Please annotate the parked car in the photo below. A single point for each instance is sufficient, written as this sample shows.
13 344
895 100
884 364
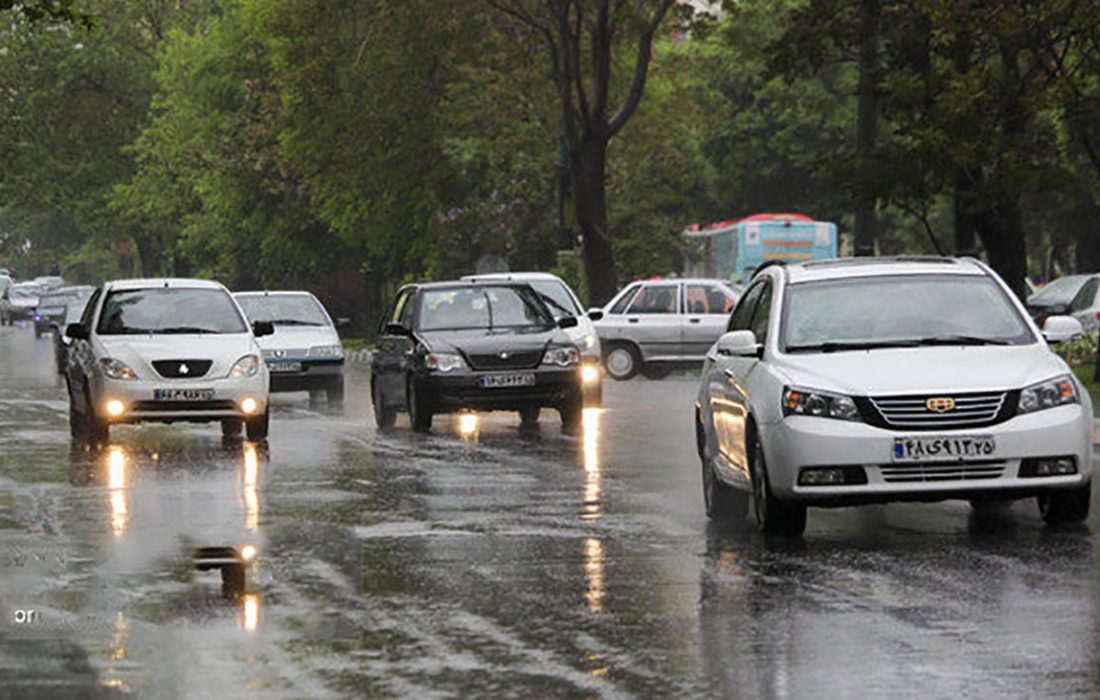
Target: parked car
487 346
74 310
166 350
50 313
563 301
849 382
50 282
23 298
6 283
304 353
654 325
1055 297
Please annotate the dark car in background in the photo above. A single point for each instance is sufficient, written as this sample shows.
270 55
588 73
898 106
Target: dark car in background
52 306
23 301
1054 298
61 342
485 346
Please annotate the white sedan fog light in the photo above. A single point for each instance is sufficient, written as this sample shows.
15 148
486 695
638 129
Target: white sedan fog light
847 475
249 406
590 374
248 553
115 408
1048 466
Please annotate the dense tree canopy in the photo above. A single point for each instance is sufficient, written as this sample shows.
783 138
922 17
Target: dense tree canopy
350 145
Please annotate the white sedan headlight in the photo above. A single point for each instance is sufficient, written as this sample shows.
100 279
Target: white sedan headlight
117 369
562 357
247 366
326 351
443 361
1053 392
811 402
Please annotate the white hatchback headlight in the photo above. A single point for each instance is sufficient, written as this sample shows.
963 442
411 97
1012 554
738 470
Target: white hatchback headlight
443 361
1053 392
247 366
326 351
811 402
562 357
117 369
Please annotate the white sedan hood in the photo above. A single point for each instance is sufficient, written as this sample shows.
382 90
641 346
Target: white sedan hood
140 351
924 370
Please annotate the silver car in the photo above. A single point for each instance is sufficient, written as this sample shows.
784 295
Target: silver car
652 326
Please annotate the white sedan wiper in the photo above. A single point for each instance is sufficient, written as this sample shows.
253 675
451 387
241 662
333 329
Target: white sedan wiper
954 339
839 346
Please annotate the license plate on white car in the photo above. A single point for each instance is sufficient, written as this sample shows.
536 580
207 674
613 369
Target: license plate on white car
183 394
497 381
285 366
939 448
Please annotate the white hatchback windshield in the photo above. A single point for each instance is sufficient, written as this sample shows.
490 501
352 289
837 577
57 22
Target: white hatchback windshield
169 310
284 309
900 312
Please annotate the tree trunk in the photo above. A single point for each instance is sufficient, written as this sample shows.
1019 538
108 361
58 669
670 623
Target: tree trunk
588 163
964 223
867 120
1001 229
148 252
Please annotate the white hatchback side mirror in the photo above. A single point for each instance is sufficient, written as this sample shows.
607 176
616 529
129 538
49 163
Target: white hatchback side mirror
1059 329
739 344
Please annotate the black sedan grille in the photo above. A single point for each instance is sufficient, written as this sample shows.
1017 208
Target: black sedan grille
526 359
967 410
182 369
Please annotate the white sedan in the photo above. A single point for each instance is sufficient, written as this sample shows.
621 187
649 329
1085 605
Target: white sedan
165 350
863 381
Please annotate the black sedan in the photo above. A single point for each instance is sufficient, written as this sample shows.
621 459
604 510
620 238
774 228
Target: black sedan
486 346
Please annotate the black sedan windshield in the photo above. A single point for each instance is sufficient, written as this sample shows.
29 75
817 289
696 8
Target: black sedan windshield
167 310
483 308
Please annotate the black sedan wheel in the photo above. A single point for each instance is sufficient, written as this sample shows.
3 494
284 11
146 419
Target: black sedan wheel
384 416
420 413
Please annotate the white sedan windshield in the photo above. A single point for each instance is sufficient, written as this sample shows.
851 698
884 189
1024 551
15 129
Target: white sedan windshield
914 310
169 310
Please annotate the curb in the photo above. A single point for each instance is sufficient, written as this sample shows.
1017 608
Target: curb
361 357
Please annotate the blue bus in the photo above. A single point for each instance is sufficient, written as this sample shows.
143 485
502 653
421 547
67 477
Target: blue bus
732 250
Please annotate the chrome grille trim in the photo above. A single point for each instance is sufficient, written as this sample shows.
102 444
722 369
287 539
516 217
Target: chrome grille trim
941 471
909 411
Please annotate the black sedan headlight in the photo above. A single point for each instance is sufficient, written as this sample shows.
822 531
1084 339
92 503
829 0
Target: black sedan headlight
811 402
562 357
1049 394
443 361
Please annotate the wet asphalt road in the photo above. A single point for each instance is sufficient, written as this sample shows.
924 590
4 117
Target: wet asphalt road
486 561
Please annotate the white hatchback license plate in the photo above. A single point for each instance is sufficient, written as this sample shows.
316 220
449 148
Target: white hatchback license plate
183 394
933 448
285 366
496 381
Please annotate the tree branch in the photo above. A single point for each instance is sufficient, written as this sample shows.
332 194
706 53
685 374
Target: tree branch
641 69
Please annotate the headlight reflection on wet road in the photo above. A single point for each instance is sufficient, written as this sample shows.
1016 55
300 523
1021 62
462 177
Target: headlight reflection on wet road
249 617
250 477
468 426
116 484
593 572
593 547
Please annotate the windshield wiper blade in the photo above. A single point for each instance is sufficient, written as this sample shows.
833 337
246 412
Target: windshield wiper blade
840 346
961 340
181 330
293 322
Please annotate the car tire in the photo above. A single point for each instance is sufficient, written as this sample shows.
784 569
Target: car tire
384 416
231 427
723 502
773 517
335 394
420 412
622 361
77 425
572 413
96 430
529 415
1066 506
257 427
655 370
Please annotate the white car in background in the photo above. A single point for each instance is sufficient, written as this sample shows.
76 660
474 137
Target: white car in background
653 326
562 301
872 380
165 350
305 352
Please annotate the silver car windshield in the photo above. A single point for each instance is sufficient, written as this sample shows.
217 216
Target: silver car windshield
169 310
284 309
1060 291
900 312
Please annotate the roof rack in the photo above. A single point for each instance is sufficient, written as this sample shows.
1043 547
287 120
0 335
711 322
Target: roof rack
933 259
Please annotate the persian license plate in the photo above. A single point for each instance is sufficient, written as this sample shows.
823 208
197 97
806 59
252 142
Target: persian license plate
933 448
496 381
183 394
285 366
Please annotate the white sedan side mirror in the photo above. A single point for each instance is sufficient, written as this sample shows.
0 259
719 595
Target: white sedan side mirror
739 344
1059 329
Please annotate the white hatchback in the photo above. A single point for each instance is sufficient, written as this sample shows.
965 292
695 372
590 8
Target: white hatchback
871 380
165 350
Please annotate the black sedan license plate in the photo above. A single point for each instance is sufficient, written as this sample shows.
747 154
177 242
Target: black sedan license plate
285 367
497 381
933 448
183 394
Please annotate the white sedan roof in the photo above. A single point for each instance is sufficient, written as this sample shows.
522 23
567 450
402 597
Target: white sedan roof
845 268
173 282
